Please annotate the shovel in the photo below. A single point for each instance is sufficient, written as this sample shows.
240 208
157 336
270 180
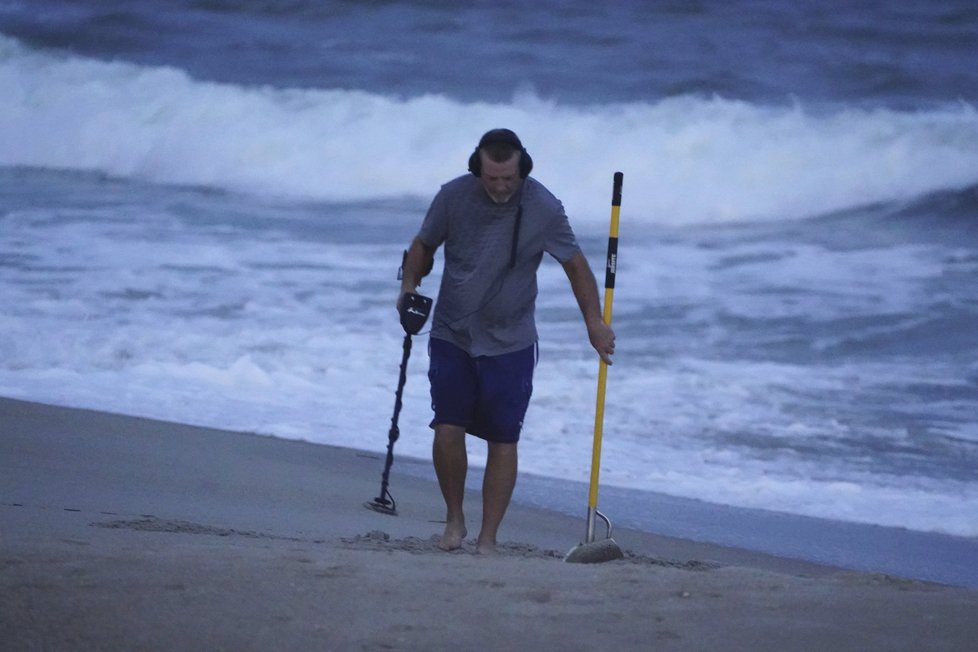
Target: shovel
591 551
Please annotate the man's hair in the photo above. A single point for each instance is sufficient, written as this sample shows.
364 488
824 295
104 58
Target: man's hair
499 152
499 146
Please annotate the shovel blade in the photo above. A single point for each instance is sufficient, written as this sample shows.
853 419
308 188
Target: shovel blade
595 552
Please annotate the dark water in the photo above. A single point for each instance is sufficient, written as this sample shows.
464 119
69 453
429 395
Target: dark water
904 54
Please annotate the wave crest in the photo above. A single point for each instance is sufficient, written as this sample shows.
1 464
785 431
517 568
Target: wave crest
686 159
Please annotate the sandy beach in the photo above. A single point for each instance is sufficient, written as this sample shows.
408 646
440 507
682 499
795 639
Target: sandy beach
121 533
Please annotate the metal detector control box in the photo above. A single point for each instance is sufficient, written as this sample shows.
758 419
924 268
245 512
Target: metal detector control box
414 312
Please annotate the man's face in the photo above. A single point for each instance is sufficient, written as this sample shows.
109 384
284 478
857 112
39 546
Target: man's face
500 179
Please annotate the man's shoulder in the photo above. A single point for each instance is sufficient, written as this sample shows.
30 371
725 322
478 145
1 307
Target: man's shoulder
460 185
536 192
447 205
456 195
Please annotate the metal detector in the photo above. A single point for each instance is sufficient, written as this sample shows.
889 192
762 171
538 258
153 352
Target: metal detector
414 311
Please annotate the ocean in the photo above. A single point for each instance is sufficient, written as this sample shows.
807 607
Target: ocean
203 207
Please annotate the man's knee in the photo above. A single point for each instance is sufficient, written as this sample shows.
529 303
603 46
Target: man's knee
502 450
446 433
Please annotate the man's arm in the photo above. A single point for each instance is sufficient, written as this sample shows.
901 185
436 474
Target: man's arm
417 264
586 292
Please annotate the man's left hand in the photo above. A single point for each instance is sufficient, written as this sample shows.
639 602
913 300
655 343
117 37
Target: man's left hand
602 338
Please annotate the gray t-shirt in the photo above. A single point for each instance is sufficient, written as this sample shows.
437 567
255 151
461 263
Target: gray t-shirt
485 306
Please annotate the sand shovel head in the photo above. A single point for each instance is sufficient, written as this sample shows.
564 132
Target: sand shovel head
595 552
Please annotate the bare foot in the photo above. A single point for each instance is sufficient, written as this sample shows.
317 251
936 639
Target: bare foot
485 547
452 537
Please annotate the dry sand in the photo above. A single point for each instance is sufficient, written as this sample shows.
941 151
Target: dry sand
119 533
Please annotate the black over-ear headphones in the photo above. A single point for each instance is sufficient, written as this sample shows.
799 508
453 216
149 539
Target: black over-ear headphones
503 136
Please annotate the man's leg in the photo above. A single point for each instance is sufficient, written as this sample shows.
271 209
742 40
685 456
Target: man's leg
451 466
497 489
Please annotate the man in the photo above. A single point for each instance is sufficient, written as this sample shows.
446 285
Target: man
495 223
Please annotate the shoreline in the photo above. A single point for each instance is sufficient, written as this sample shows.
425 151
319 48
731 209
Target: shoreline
724 531
122 531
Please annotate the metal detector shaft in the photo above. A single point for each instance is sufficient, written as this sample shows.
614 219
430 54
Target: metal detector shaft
384 498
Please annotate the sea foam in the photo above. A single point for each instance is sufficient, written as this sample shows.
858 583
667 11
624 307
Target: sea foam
686 159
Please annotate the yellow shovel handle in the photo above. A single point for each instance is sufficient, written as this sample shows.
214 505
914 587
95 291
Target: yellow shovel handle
609 293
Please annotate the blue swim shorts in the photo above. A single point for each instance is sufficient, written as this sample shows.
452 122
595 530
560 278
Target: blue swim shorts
486 395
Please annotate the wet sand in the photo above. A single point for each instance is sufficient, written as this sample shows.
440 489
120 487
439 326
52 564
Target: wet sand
126 533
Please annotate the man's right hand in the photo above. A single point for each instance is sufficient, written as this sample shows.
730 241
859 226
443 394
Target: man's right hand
400 298
417 264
